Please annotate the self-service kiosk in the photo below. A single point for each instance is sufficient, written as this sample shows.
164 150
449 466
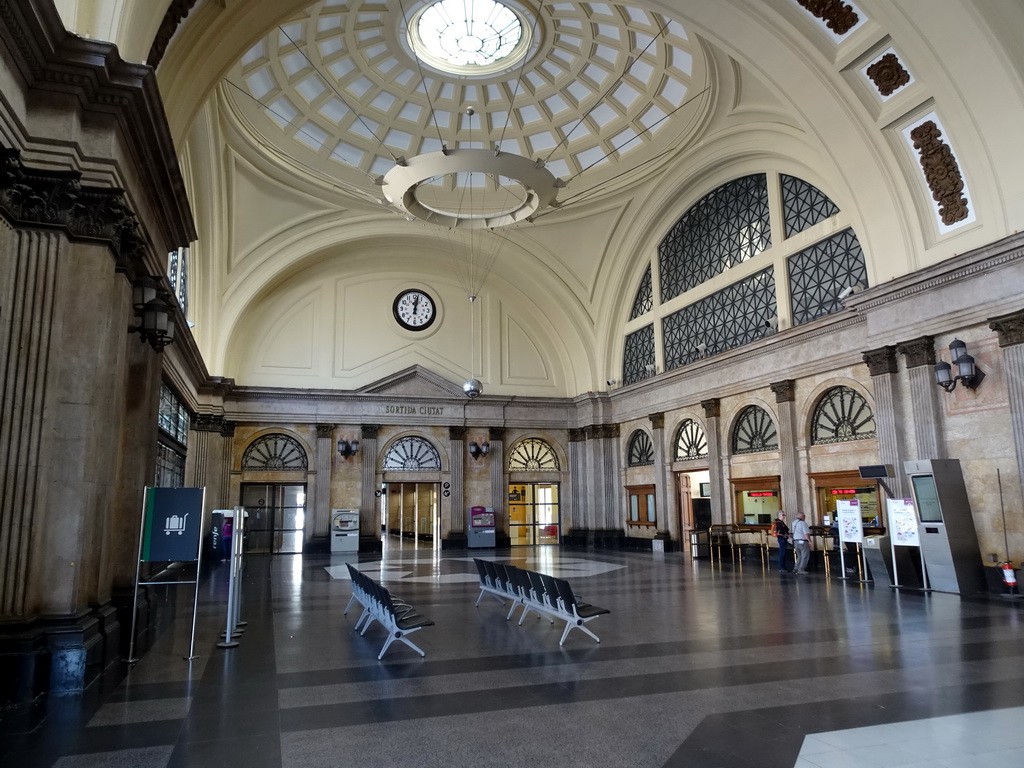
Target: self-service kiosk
949 542
481 527
344 530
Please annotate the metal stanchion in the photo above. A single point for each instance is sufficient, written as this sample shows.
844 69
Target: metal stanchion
233 626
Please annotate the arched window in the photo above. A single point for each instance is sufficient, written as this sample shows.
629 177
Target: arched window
644 296
691 442
641 452
755 432
275 452
842 414
532 455
412 454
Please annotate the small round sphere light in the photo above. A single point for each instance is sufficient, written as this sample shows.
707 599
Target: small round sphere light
473 388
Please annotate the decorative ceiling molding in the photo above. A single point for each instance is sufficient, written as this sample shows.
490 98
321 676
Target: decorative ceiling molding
941 171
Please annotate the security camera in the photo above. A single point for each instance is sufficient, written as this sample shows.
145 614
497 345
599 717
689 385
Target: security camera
610 382
473 388
849 291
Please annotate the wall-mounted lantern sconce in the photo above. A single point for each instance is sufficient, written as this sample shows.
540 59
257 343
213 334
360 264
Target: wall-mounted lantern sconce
967 373
477 450
156 320
346 448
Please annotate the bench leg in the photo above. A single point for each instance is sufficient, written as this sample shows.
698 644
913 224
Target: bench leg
350 601
362 617
571 625
399 635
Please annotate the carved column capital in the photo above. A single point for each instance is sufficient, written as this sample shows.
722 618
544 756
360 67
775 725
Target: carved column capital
918 352
881 361
785 391
369 431
324 431
207 422
657 420
712 408
496 433
1009 327
577 435
456 433
228 429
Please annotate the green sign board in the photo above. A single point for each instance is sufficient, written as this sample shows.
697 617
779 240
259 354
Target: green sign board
172 526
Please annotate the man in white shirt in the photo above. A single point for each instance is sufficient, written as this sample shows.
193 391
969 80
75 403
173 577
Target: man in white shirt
801 542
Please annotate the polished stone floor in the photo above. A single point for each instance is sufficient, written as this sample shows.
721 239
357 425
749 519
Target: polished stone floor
698 665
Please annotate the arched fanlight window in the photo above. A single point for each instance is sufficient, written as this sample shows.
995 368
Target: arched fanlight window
842 414
532 455
691 442
275 452
412 454
641 451
755 432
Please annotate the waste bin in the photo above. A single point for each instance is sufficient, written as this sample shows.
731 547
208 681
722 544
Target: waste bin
344 530
700 543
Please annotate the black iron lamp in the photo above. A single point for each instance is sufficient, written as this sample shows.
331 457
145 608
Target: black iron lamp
156 319
476 450
967 373
346 448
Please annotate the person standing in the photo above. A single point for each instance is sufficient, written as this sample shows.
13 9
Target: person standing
801 542
781 533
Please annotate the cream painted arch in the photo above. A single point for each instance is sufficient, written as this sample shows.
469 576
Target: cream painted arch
352 347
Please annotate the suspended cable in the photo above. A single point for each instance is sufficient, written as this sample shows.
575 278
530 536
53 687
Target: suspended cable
423 79
338 93
519 77
646 130
629 66
307 167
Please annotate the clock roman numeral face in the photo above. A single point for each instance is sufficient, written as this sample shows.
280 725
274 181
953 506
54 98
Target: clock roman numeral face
414 310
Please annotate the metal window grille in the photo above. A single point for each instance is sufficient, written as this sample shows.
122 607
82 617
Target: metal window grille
644 301
638 355
691 442
732 317
842 414
803 205
275 452
754 432
817 275
532 455
641 451
724 228
412 454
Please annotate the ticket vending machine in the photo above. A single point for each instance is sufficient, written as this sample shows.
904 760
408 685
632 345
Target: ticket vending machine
344 530
481 527
949 542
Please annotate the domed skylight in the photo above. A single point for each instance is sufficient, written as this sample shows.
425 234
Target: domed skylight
474 34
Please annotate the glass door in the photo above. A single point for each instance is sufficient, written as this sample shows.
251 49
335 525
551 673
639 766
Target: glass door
275 517
533 513
412 511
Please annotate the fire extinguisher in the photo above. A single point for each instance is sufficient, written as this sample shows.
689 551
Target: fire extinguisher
1009 577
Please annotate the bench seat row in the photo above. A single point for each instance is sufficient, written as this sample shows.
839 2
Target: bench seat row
538 593
399 618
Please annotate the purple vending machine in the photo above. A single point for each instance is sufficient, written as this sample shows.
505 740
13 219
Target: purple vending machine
481 527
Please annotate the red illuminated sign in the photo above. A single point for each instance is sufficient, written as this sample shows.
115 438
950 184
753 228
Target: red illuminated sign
843 491
760 493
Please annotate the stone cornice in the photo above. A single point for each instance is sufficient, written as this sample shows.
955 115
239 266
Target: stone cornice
995 255
51 59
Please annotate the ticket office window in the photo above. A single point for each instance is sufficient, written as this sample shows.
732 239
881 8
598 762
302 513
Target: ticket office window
757 506
870 510
642 509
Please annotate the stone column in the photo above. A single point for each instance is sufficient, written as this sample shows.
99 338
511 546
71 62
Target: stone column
227 451
720 494
785 395
608 528
919 357
457 536
203 460
884 369
580 513
324 462
664 508
369 514
1010 329
499 488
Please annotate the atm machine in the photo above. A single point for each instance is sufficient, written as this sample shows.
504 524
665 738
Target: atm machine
344 530
949 542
